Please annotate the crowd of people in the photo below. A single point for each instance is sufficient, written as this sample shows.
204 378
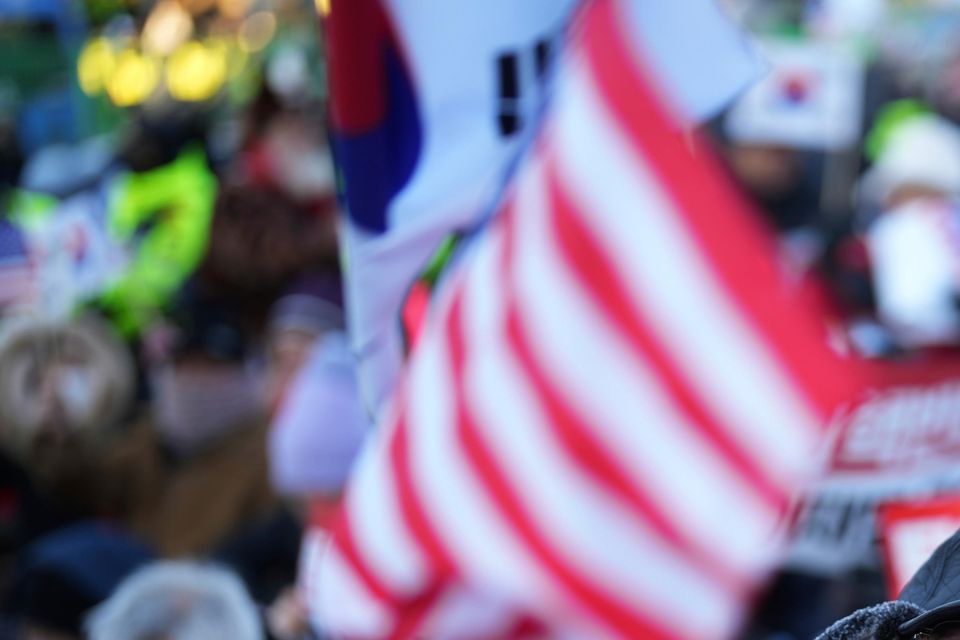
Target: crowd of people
165 393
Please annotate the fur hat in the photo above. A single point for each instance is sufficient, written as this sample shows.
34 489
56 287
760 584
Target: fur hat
61 379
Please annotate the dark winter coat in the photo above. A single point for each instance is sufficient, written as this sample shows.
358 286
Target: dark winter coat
930 598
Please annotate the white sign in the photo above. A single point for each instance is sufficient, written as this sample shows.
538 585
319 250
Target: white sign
76 257
901 443
812 98
911 532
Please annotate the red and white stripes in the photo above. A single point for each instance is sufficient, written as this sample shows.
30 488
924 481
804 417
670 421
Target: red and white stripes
611 408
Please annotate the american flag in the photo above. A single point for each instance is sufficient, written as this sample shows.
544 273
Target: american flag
17 277
611 407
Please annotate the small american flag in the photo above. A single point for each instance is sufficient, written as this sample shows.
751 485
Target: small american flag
17 278
610 408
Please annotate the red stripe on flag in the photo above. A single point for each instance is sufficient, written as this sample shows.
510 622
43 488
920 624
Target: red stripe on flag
527 627
413 512
417 612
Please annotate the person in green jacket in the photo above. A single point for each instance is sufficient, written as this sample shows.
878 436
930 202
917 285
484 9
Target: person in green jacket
165 215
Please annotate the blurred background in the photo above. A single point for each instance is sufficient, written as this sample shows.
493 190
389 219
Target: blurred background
168 256
175 377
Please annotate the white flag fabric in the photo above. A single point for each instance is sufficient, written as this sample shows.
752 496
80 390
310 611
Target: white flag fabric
812 98
610 407
431 102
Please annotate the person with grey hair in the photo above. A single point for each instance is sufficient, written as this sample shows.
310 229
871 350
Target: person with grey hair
177 600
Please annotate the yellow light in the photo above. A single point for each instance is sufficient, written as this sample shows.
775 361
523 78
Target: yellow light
257 31
95 65
234 8
167 27
134 78
323 7
196 72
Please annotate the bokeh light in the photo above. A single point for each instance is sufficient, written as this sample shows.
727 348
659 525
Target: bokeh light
168 26
196 71
257 31
96 65
134 79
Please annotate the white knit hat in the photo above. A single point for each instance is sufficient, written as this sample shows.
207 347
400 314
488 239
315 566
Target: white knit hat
924 151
